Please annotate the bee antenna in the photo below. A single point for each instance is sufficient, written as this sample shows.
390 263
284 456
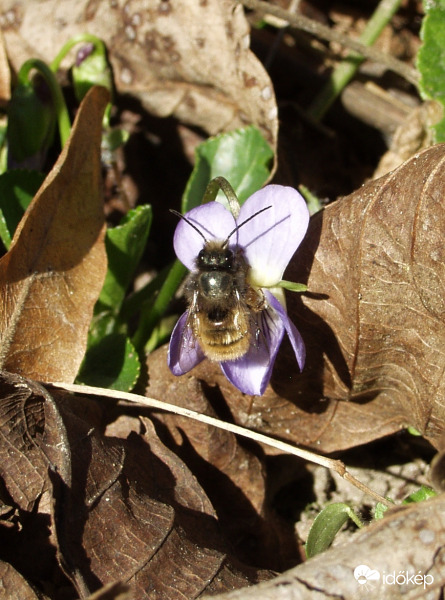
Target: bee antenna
244 222
178 214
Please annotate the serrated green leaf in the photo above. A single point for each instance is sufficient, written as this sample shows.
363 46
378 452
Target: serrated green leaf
326 526
17 189
125 245
104 324
431 58
242 157
423 493
112 363
142 299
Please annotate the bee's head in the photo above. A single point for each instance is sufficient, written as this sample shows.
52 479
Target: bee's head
215 256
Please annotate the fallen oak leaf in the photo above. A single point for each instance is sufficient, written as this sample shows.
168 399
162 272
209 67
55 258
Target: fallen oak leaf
112 591
5 74
52 275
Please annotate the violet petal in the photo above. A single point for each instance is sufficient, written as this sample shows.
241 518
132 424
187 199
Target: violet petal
294 335
271 238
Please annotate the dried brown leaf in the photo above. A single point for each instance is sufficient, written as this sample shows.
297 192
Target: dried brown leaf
112 591
53 273
186 58
33 441
13 585
372 321
5 74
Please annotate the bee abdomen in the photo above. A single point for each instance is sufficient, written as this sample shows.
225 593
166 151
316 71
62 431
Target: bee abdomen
226 348
224 342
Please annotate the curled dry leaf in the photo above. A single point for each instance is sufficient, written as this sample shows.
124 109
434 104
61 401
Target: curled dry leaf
372 321
187 58
33 441
5 74
87 509
53 273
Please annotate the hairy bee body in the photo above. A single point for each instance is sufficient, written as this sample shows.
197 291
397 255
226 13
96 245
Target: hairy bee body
222 304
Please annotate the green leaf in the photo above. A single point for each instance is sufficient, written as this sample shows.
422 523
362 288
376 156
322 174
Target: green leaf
3 145
313 202
413 431
431 58
242 157
161 333
291 286
103 324
114 139
112 363
17 189
326 526
143 297
125 245
423 493
31 121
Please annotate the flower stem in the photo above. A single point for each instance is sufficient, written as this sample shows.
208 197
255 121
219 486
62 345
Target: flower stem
346 70
323 32
151 318
63 118
78 39
221 183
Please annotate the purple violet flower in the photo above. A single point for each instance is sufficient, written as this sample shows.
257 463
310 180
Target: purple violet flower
266 243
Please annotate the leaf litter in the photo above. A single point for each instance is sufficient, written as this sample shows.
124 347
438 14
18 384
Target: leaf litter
95 493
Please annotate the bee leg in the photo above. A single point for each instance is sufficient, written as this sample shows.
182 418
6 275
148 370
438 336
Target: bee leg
256 300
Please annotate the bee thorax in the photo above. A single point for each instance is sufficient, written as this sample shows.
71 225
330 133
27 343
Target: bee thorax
216 284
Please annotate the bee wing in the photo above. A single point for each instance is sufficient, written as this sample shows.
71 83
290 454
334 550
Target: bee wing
263 331
184 351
